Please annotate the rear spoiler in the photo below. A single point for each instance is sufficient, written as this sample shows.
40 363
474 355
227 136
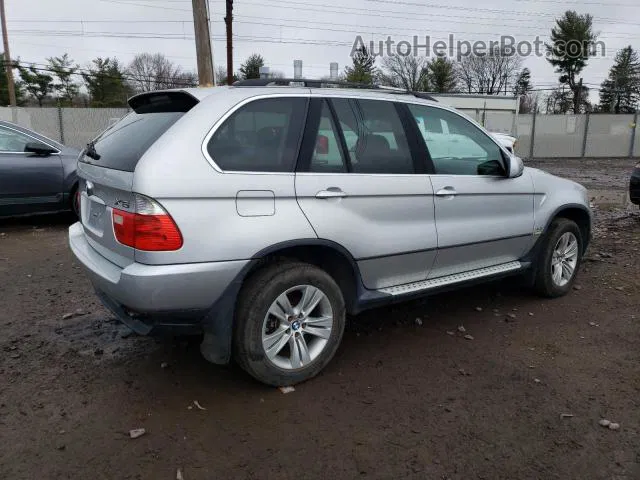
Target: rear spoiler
162 101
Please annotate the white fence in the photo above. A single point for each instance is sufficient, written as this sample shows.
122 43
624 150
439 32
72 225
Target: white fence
578 136
539 136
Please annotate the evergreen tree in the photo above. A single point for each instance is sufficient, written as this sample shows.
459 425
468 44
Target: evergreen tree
105 83
38 83
251 67
442 75
363 68
523 88
4 86
64 70
620 92
572 40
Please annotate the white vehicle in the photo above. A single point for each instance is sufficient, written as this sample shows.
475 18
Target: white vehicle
507 141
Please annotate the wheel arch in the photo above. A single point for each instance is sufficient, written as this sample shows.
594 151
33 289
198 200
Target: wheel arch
325 254
578 214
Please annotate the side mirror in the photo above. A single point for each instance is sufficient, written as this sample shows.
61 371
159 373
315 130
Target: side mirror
322 145
515 166
39 149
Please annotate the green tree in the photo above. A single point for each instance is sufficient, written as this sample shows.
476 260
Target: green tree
36 82
523 88
523 84
442 75
620 92
572 42
64 70
363 68
106 84
4 86
251 67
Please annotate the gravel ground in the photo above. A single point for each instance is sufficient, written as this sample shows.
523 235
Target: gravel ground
401 399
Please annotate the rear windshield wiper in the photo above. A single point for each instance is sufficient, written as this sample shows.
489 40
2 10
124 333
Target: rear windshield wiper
91 151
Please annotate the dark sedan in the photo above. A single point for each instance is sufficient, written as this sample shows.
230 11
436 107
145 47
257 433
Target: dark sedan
634 185
37 174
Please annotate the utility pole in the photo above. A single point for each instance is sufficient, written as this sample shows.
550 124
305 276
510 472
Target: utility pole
228 20
203 43
8 64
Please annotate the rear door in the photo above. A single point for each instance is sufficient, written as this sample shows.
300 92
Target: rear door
106 168
361 184
28 182
483 218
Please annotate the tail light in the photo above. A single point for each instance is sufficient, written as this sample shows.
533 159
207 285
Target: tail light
149 228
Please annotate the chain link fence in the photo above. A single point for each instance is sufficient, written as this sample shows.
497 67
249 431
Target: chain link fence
73 127
539 136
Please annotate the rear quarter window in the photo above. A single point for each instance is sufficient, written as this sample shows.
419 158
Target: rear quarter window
261 136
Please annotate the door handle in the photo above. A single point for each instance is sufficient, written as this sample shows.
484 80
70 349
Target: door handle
331 192
447 192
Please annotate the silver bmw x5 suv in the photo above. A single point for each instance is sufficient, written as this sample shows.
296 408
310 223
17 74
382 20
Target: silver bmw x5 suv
260 216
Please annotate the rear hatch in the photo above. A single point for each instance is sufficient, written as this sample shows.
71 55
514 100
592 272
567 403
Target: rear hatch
106 167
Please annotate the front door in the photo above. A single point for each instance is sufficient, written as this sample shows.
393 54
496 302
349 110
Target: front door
28 182
361 185
483 218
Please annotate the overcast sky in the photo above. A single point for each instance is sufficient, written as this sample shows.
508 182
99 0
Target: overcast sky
316 31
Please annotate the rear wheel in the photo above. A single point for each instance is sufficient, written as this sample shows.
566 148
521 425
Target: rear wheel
289 323
559 259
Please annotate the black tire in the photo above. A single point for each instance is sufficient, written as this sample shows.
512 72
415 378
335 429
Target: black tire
544 283
256 297
75 201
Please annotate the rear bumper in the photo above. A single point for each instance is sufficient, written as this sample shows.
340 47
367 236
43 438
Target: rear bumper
634 186
154 291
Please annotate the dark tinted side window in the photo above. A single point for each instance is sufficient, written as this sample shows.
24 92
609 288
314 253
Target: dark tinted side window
121 146
261 136
374 135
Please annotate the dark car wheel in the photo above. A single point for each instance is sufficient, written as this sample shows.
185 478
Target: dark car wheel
289 323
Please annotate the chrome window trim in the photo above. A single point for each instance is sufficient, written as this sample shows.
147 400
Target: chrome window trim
334 94
57 150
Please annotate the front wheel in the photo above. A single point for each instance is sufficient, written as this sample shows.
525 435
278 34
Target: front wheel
289 323
75 201
559 259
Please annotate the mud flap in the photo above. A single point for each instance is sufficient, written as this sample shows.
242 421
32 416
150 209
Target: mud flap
218 323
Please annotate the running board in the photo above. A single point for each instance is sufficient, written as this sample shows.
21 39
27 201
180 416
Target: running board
451 279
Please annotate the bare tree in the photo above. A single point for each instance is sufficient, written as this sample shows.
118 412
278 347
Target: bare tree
149 72
221 75
489 74
408 72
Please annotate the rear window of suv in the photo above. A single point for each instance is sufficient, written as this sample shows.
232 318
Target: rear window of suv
121 146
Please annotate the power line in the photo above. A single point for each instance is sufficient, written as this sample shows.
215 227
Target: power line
579 3
491 10
89 73
240 38
330 8
149 6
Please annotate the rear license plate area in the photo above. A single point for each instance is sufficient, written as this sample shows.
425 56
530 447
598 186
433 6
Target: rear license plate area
95 215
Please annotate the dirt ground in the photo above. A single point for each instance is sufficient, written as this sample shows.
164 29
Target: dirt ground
399 400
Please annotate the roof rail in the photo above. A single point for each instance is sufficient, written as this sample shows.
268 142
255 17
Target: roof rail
315 83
